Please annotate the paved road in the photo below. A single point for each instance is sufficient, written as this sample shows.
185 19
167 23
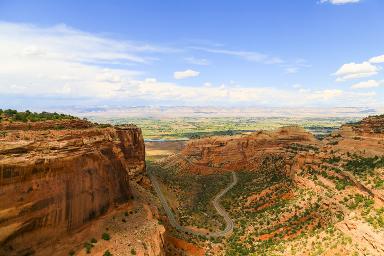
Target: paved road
220 210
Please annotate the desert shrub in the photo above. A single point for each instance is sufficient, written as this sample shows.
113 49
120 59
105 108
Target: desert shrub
379 183
104 125
341 184
107 253
88 247
361 166
106 236
333 160
13 115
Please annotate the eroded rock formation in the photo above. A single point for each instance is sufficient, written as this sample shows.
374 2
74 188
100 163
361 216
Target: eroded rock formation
343 173
56 176
246 152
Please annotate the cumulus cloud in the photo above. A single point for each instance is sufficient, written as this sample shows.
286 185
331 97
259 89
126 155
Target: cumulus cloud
59 59
61 62
227 94
377 59
327 94
339 2
185 74
366 84
356 70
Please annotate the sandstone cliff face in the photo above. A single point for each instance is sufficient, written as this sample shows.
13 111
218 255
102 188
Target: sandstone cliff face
364 138
247 152
57 176
292 147
317 166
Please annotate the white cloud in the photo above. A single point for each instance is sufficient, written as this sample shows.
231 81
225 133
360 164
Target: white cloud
66 89
366 84
17 88
60 59
325 94
297 86
322 95
185 74
291 70
55 42
292 67
245 55
356 70
339 2
377 59
63 62
225 94
196 61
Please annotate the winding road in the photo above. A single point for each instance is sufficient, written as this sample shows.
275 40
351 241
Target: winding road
220 210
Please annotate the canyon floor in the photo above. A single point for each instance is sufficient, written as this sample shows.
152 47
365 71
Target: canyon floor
72 187
295 195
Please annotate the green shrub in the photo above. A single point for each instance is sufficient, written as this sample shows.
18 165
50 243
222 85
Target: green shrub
341 184
379 183
106 236
107 253
13 115
88 247
363 166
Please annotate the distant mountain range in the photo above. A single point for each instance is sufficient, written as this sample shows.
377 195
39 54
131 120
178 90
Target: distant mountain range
185 111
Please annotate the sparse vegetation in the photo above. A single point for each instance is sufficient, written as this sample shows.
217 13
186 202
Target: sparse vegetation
106 236
11 115
364 166
88 247
194 194
193 128
107 253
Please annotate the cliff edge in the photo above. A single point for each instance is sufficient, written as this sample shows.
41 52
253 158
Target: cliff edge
56 176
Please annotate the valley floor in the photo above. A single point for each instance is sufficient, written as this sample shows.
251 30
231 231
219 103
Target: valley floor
332 204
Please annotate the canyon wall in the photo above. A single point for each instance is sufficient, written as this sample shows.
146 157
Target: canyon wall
337 181
244 152
56 176
289 148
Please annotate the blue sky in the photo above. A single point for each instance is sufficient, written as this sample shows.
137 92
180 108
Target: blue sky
220 53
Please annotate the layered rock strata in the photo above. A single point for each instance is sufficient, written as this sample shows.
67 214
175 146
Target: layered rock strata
57 176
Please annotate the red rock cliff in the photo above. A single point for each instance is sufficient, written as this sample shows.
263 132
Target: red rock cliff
246 152
57 176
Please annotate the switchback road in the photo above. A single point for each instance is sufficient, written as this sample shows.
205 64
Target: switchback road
216 203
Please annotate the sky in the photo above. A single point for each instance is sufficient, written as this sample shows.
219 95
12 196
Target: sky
277 53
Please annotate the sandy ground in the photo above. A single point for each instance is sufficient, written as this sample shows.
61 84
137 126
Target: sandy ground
133 228
158 150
